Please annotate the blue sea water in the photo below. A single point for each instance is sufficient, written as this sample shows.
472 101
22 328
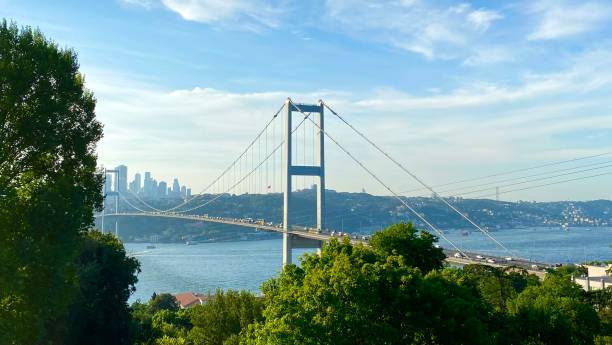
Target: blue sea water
247 264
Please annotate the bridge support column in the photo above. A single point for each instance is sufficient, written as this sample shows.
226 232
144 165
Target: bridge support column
289 170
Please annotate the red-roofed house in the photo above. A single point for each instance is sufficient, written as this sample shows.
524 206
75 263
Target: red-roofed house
189 299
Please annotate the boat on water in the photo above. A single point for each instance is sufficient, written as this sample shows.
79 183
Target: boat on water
191 243
150 246
465 233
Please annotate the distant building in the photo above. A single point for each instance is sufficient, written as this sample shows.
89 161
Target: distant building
121 184
137 183
190 299
161 189
598 277
108 183
147 187
183 191
176 188
188 192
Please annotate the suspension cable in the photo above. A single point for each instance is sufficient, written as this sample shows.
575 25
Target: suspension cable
416 178
250 172
373 175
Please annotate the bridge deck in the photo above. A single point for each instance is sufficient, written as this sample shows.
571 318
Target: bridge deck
326 236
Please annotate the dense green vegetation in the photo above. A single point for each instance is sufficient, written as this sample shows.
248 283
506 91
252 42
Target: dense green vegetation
386 294
61 283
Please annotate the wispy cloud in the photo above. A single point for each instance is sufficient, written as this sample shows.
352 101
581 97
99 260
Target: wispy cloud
559 19
416 26
482 19
152 128
244 14
140 3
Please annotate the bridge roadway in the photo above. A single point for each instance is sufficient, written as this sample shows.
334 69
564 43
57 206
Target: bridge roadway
452 256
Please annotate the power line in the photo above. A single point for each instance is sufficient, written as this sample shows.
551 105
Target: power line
548 184
497 182
511 171
538 179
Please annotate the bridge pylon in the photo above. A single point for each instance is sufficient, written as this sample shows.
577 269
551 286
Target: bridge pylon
289 170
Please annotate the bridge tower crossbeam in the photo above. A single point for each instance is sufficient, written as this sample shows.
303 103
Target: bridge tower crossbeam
289 170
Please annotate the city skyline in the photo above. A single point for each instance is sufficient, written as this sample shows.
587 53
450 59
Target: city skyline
454 89
148 187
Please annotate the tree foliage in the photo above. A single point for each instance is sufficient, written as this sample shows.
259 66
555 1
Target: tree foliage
99 314
555 312
49 185
352 295
164 301
402 239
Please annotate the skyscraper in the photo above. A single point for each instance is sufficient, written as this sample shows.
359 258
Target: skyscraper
108 183
183 191
161 189
137 183
147 187
121 184
176 188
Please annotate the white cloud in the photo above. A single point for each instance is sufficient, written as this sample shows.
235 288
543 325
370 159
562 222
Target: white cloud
482 19
416 26
446 135
486 55
141 3
560 19
246 14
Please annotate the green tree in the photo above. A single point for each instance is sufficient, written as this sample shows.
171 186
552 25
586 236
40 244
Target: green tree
497 285
100 313
402 239
352 295
223 317
555 312
164 301
49 185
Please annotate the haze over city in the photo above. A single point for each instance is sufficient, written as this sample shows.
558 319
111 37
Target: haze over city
454 89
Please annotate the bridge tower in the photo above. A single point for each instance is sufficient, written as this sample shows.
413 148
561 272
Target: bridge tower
290 170
115 193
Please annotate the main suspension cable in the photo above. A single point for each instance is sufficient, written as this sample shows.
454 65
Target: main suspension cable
416 178
373 175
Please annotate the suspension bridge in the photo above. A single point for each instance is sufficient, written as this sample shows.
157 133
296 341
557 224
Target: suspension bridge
291 149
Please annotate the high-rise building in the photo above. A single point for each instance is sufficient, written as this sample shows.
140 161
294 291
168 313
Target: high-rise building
108 183
183 191
147 185
121 184
188 192
161 189
137 183
176 188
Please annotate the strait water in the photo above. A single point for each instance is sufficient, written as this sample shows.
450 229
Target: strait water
246 265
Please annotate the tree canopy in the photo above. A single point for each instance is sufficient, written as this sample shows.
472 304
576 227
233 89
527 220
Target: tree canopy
49 185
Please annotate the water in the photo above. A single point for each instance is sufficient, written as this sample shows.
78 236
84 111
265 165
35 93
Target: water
246 265
205 267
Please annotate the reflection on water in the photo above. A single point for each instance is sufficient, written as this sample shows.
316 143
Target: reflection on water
245 265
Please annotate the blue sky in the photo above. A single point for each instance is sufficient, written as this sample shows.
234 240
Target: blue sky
454 89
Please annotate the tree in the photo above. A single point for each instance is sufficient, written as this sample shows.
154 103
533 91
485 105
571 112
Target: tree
223 317
402 239
555 312
49 185
100 313
496 285
352 295
164 301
